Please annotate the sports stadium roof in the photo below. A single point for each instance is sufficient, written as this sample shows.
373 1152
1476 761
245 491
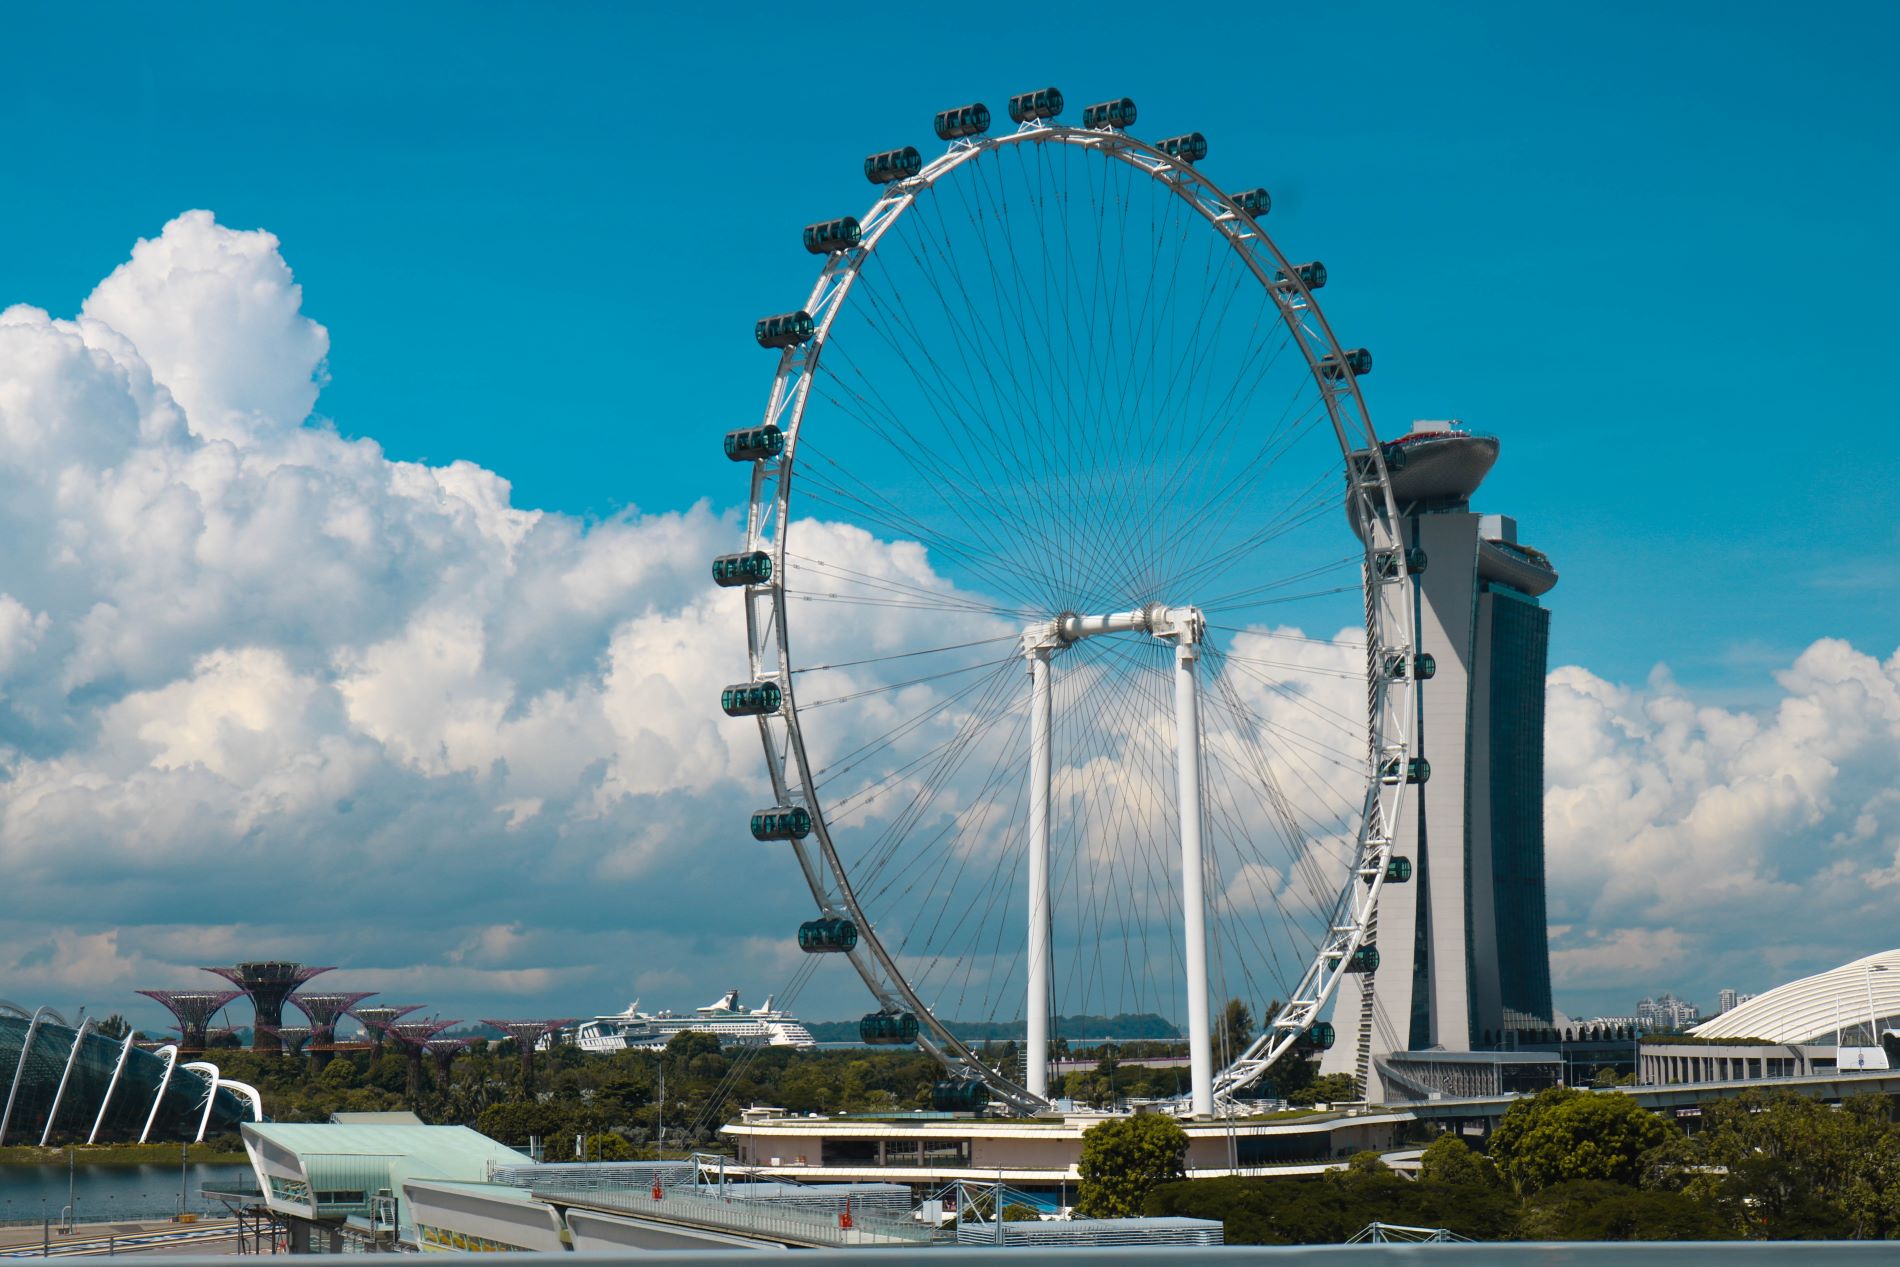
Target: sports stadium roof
1814 1009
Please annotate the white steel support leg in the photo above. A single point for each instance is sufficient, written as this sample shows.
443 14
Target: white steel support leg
1187 732
1036 1045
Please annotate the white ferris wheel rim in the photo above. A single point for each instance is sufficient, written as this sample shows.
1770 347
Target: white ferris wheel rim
1392 703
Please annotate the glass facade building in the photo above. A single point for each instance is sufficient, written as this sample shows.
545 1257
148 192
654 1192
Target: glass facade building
1519 629
74 1085
1463 947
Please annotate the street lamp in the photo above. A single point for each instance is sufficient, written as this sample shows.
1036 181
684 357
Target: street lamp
1873 1021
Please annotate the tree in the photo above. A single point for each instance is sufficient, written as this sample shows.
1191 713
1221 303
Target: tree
1449 1159
608 1146
1126 1158
114 1026
1563 1134
1784 1166
1591 1210
1325 1089
1235 1029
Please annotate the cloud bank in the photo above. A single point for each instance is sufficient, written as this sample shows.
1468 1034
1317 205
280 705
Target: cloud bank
264 690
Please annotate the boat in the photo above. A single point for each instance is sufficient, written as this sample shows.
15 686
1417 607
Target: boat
726 1019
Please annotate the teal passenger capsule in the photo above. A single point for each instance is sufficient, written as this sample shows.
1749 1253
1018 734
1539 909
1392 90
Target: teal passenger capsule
1320 1037
956 1096
1026 107
827 936
1312 275
1364 960
1416 770
754 567
1189 147
787 330
1356 361
828 237
893 165
888 1029
750 444
1387 562
961 121
1398 871
781 822
1255 202
1110 114
751 699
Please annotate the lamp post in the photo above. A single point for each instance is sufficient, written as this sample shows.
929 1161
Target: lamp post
1873 1021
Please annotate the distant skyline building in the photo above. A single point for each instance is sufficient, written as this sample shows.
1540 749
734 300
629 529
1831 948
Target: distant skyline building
1728 1000
1667 1012
1464 951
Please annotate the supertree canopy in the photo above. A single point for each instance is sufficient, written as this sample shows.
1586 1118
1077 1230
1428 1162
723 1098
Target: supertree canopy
293 1038
194 1010
378 1019
526 1034
413 1037
324 1011
269 983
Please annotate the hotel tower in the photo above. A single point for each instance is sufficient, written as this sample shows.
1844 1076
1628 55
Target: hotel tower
1463 949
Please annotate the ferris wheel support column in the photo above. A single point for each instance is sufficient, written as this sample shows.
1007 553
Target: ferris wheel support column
1036 1040
1187 732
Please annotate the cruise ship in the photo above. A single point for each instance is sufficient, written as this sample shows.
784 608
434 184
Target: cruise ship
731 1023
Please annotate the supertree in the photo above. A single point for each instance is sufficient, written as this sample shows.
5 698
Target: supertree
293 1040
324 1011
444 1051
269 983
377 1021
194 1010
413 1037
526 1034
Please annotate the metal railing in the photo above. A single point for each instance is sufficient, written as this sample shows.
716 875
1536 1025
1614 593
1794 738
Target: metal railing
706 1208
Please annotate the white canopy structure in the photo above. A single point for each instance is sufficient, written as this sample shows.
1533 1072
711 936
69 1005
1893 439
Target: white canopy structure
1838 1007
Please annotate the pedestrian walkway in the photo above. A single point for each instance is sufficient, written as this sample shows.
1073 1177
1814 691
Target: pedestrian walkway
106 1239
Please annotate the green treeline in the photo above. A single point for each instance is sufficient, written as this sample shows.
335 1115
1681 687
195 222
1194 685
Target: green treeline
611 1100
1570 1165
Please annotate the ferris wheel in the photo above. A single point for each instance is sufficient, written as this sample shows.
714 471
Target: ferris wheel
1079 694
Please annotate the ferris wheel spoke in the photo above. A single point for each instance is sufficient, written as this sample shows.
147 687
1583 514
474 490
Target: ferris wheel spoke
871 506
930 475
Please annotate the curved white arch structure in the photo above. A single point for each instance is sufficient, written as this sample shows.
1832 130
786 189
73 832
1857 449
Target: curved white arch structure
245 1092
1819 1008
65 1076
105 1102
212 1080
19 1066
169 1054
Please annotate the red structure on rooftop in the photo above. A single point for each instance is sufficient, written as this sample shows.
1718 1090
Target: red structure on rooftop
194 1010
269 983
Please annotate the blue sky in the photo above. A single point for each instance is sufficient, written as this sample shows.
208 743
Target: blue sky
1651 249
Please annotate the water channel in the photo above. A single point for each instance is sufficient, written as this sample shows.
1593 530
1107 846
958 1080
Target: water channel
110 1193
